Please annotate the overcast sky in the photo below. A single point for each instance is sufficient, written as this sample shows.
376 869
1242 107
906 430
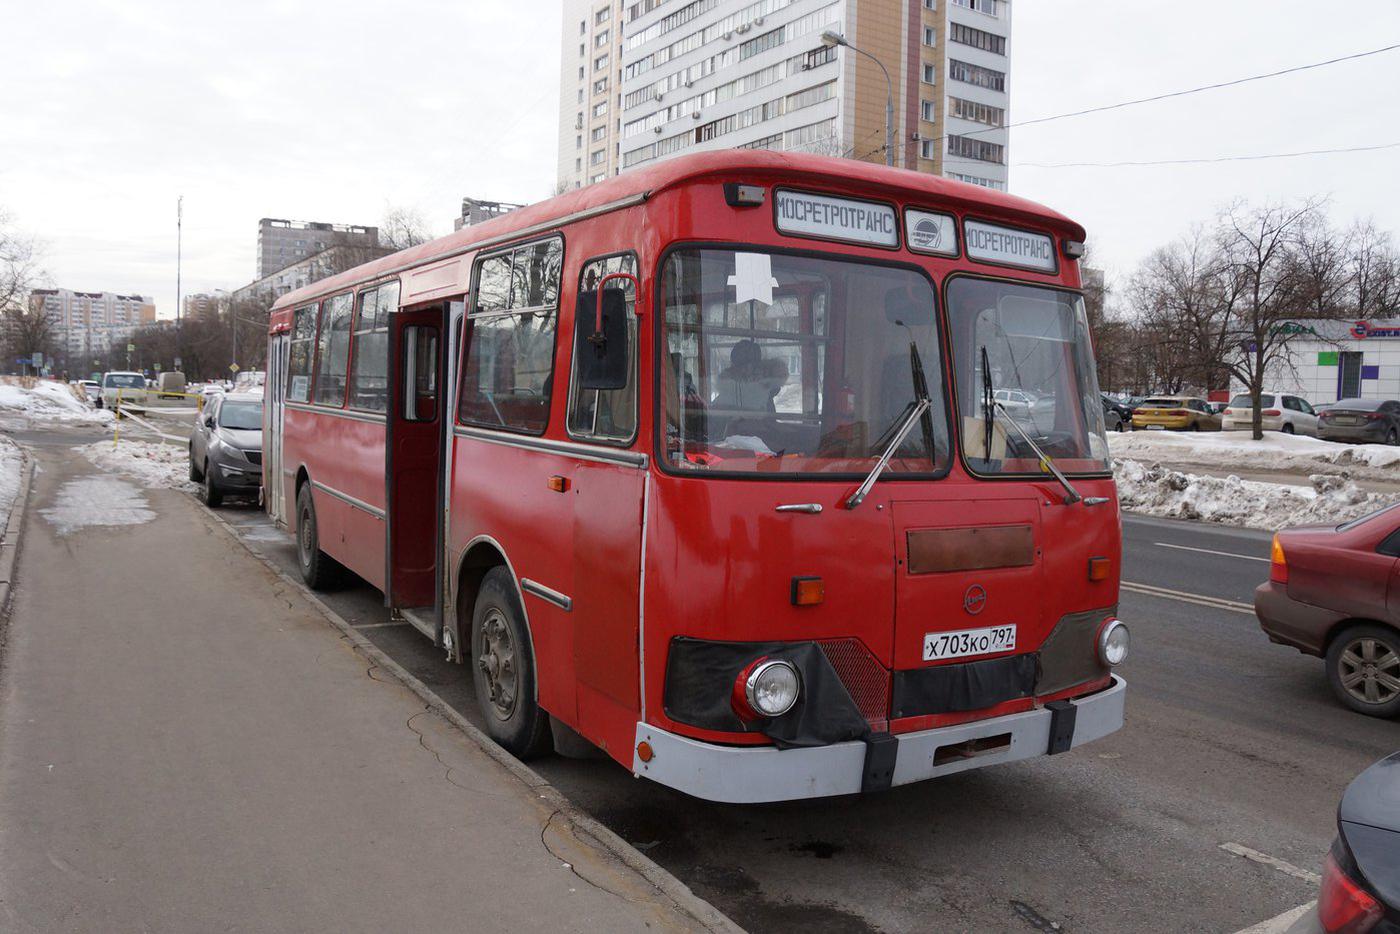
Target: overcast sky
333 112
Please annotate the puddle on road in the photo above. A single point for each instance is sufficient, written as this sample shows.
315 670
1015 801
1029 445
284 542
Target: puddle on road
97 501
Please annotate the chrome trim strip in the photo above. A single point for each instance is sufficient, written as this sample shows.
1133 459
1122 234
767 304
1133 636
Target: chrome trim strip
347 498
374 417
642 599
586 452
509 237
813 508
546 594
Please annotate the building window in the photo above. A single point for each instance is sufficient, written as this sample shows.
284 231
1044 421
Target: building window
977 75
981 150
580 95
977 38
598 133
976 112
930 74
578 142
581 48
600 85
926 148
509 366
606 414
600 39
597 178
930 37
597 157
582 27
930 4
926 110
600 108
600 63
580 73
978 180
602 16
981 6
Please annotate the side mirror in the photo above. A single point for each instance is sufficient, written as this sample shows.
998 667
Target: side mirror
208 421
601 342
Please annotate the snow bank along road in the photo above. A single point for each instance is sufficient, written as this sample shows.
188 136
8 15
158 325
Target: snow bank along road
1230 741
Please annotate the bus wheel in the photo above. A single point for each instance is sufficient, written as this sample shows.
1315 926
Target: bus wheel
503 669
318 569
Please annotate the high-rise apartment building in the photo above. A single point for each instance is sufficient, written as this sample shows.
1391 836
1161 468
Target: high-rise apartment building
282 243
590 73
694 75
88 324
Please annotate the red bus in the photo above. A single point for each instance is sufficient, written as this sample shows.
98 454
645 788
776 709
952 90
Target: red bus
773 476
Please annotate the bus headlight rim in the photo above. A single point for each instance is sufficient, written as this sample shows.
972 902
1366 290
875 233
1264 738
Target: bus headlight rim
772 688
1113 643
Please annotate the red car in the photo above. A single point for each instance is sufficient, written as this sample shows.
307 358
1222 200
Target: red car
1334 592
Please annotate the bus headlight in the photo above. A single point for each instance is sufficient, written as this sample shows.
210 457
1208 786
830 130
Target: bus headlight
1113 643
771 688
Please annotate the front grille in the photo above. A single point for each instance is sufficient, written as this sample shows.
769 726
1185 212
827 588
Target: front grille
254 457
866 680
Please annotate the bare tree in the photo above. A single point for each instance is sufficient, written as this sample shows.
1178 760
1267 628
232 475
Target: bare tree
402 228
26 328
1373 270
1322 257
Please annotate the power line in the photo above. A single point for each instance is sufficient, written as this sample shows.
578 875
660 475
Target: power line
1183 93
1201 161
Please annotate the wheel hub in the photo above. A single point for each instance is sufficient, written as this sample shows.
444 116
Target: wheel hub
1370 671
495 659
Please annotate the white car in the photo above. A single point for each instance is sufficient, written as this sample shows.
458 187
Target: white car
132 387
1289 414
92 389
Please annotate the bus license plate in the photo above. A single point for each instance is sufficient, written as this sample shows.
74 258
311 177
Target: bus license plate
940 645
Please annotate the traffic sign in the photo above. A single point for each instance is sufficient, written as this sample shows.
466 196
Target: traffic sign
233 367
131 348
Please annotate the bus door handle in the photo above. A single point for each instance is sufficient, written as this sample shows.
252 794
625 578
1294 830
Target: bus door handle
801 507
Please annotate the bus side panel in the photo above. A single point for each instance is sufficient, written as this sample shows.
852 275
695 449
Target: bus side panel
351 460
503 492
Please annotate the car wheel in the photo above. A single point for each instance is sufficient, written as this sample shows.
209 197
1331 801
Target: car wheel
211 494
195 474
1391 437
1195 426
318 569
1287 428
1363 666
503 669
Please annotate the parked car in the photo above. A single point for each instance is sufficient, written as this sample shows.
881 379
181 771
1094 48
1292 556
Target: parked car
93 390
170 384
1123 407
1112 418
132 387
226 447
1218 408
1179 413
1360 889
1327 595
1291 415
1360 420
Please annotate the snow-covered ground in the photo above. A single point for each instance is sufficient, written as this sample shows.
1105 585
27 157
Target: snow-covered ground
156 465
1237 450
1157 490
47 400
11 463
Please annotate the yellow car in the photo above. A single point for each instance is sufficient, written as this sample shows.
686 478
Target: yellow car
1176 413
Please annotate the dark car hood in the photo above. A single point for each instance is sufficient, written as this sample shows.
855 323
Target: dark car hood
1368 821
246 440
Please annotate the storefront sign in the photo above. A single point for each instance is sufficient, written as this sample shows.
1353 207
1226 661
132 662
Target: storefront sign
1008 247
829 218
927 232
1363 329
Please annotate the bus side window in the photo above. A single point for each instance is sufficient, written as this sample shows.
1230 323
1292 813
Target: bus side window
420 355
333 354
300 354
607 414
369 366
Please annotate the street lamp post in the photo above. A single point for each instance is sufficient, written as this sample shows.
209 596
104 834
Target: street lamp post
832 38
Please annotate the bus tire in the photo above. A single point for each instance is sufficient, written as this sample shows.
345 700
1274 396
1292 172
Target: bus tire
318 569
503 669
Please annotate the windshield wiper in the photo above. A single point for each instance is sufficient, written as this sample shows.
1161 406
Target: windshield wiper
917 410
990 406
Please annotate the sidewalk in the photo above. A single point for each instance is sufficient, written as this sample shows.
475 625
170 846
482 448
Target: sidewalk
187 745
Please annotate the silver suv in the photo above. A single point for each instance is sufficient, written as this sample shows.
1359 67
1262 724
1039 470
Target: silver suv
226 447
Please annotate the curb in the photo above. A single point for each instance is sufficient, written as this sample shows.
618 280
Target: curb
586 827
10 538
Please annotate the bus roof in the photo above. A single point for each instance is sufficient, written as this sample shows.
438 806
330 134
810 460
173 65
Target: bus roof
758 164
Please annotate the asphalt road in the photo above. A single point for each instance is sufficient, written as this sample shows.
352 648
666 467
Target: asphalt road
1229 740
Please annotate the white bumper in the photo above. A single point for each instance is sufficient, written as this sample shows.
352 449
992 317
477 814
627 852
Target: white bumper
753 774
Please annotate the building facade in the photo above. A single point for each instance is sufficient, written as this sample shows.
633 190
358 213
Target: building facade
282 243
305 271
474 211
1331 360
199 305
89 324
693 75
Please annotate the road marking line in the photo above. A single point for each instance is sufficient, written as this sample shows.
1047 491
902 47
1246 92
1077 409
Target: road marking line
1218 603
1279 924
1282 866
1212 551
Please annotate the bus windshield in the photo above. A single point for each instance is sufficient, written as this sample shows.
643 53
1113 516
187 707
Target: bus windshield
778 364
1025 348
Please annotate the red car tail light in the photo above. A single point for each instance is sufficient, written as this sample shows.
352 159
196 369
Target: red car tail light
1178 412
1272 413
1374 416
1229 411
1278 564
1343 907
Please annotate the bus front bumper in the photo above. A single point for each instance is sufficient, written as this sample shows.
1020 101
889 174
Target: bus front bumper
755 774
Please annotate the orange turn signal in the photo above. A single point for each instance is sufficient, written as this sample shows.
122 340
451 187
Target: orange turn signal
1098 569
807 591
559 484
644 751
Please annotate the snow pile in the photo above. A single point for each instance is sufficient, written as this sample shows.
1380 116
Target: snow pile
91 501
1160 491
11 465
154 464
1236 449
47 399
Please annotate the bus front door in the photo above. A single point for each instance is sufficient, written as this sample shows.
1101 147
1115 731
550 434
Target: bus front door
413 470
